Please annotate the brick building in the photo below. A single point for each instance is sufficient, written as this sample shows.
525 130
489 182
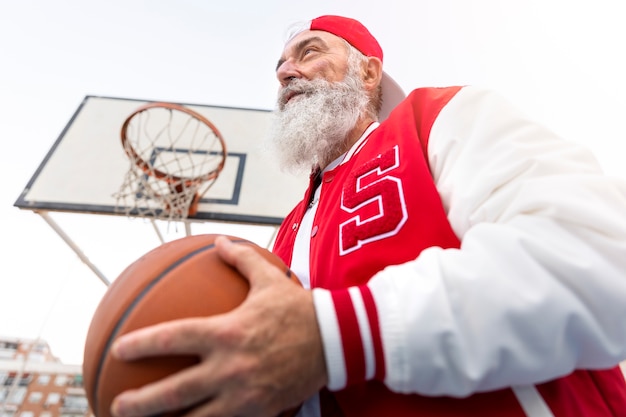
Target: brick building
33 383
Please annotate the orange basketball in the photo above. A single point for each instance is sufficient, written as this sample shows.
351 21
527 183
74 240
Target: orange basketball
179 279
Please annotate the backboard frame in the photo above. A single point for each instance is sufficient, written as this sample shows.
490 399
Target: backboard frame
38 194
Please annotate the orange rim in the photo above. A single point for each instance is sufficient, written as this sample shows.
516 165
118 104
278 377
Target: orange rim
168 178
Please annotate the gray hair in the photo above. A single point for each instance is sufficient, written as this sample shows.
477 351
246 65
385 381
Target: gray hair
356 60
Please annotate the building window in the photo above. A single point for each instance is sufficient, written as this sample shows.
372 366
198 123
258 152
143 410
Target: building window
9 379
27 414
53 398
8 345
12 396
36 357
26 378
7 349
44 379
7 354
45 414
35 397
41 347
61 380
75 404
77 381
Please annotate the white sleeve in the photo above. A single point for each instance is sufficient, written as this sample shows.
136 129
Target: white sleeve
538 287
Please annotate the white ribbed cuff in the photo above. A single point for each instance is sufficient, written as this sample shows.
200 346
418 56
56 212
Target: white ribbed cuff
331 339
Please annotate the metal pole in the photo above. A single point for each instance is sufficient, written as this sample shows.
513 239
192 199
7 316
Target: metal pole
271 241
156 229
74 247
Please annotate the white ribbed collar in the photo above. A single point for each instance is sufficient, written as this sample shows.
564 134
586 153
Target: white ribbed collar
359 143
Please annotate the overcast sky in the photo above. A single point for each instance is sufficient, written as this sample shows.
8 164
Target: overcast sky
561 61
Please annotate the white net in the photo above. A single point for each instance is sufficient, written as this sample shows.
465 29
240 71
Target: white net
175 156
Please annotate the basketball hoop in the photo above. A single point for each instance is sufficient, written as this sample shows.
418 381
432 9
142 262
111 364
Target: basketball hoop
175 154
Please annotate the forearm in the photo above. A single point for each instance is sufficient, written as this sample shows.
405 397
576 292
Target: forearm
476 324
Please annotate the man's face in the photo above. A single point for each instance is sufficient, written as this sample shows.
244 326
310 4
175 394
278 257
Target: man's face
321 98
310 55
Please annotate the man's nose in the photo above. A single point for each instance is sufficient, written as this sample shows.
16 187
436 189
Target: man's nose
287 72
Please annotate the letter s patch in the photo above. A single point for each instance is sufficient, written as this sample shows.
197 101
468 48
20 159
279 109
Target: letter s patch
376 199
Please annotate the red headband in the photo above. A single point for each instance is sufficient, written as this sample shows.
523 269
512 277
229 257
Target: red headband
350 30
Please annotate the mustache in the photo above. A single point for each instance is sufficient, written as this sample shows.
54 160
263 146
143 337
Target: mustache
298 87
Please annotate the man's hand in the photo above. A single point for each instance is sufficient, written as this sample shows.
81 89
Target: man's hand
257 360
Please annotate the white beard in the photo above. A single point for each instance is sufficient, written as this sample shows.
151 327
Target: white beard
312 129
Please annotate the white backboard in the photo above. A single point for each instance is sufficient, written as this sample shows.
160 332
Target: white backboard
87 164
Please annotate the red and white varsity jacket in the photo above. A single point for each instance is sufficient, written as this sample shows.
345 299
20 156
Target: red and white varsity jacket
465 261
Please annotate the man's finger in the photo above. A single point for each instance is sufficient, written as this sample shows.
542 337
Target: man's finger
168 338
178 391
243 257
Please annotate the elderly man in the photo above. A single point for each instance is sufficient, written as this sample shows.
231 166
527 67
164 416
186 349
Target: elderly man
462 260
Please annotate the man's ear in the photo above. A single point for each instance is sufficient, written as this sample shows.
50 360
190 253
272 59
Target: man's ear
373 73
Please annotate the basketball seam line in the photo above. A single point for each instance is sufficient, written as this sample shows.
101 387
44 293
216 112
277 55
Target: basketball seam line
131 307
